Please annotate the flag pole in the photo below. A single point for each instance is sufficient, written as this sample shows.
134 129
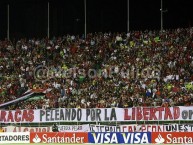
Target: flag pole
85 19
8 21
161 16
48 33
162 11
128 9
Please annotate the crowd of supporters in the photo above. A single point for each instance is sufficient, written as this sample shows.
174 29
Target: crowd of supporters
140 68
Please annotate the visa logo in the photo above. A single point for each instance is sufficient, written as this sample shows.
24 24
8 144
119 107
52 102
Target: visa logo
120 137
105 137
135 138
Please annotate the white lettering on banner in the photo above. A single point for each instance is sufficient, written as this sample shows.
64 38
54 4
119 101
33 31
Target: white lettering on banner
97 114
74 128
27 129
105 138
132 138
135 138
179 140
58 139
10 137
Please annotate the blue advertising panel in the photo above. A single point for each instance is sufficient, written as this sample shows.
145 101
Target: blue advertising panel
120 137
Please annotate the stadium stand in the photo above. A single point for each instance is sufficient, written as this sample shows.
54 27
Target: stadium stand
104 70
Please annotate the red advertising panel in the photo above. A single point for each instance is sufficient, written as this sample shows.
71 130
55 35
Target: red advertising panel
59 137
172 137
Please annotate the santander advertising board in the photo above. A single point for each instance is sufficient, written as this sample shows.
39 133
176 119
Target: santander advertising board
172 137
58 137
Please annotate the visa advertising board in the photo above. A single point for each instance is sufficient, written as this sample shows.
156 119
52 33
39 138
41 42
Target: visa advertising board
128 138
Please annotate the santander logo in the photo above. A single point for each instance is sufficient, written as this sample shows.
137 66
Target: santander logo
36 139
159 139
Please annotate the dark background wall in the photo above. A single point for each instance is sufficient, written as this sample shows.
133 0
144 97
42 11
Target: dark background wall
28 18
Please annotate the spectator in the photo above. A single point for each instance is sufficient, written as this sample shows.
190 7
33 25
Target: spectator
55 128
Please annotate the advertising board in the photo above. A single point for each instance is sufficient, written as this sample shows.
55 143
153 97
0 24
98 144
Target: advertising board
172 137
118 137
59 137
14 137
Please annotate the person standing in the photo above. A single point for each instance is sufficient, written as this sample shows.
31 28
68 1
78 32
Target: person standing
55 128
1 129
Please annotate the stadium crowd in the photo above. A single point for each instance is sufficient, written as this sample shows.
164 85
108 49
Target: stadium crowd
104 70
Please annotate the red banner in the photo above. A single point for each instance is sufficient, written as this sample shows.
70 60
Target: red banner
172 138
27 129
58 137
